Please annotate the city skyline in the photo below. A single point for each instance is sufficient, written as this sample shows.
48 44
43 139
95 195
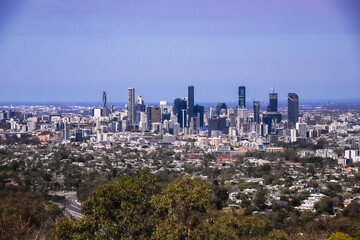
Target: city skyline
236 101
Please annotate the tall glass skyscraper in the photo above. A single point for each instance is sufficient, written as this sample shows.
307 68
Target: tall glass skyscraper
273 102
242 100
199 112
293 109
179 105
272 114
191 111
131 106
105 109
104 99
256 111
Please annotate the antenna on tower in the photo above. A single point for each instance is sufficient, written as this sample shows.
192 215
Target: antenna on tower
272 89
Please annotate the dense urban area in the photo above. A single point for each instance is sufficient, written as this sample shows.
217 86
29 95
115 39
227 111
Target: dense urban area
180 170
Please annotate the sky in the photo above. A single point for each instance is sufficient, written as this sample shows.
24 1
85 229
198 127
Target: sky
72 50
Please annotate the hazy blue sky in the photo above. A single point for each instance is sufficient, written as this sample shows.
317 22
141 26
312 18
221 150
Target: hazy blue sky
71 50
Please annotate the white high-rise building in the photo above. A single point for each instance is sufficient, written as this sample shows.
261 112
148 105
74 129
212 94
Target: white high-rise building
211 113
242 113
143 124
66 135
31 124
351 154
139 100
293 135
13 124
97 112
302 129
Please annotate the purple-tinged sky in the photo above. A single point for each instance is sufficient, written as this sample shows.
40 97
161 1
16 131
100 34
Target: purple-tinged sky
66 50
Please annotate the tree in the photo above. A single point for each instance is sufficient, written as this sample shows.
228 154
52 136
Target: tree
26 215
325 206
252 227
245 202
260 198
228 227
223 228
65 229
353 210
289 181
116 211
333 188
277 235
180 208
311 170
219 196
339 236
89 184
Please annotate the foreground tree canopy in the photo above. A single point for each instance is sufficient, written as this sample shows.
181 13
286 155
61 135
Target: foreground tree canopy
139 207
118 210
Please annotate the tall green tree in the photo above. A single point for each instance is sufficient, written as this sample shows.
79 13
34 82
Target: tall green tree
325 205
120 210
181 207
260 198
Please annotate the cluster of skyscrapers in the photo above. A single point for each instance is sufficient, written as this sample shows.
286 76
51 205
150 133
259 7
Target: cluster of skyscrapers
184 114
182 117
186 117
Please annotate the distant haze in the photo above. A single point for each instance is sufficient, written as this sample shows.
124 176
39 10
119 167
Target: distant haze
66 50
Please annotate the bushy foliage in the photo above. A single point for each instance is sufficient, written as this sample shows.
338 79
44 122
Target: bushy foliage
140 207
136 208
24 215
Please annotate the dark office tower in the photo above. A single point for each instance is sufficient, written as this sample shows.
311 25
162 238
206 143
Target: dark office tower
218 124
78 135
220 107
199 112
165 116
131 106
104 99
179 105
293 109
105 109
191 102
242 101
256 111
273 102
272 115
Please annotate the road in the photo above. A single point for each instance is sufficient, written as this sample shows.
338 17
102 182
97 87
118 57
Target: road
73 208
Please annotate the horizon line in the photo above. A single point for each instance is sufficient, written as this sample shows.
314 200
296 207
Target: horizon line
301 102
